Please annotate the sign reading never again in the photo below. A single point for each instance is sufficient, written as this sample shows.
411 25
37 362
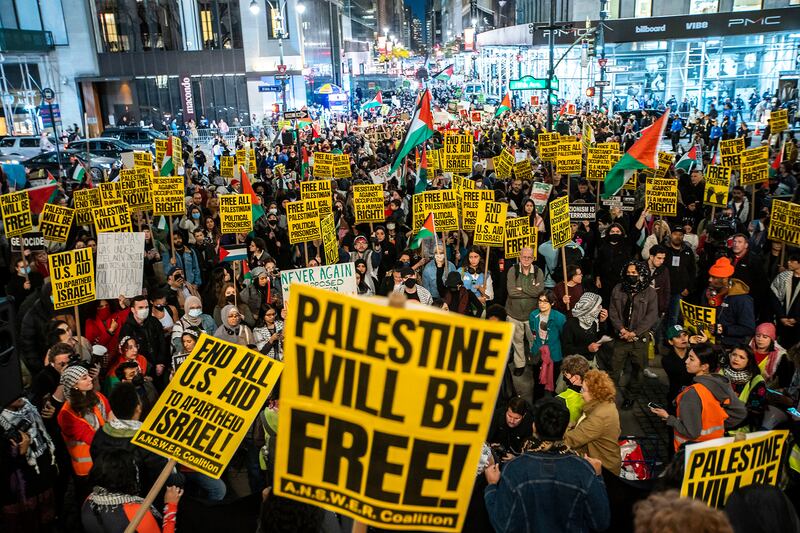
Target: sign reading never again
384 413
209 405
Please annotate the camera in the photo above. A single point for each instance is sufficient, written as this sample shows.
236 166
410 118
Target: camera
14 432
498 453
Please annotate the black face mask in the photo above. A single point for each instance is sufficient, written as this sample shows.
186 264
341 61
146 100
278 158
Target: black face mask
614 238
159 307
633 279
410 282
230 298
273 222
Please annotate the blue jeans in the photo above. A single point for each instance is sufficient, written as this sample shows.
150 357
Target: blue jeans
203 486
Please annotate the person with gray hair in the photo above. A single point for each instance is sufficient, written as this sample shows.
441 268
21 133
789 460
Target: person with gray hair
524 283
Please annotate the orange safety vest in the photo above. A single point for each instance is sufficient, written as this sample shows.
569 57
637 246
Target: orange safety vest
713 416
79 450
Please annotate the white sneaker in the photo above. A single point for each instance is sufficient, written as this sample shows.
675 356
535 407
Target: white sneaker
650 374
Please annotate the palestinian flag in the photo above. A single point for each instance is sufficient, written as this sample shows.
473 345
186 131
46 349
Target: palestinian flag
233 252
246 275
643 154
43 194
445 74
304 163
505 105
256 207
690 159
375 102
167 165
422 173
419 131
776 165
81 176
426 232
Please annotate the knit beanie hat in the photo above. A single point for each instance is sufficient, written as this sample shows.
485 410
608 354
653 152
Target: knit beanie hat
70 378
768 329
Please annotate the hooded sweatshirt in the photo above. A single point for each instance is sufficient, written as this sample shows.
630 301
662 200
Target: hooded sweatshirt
690 423
736 315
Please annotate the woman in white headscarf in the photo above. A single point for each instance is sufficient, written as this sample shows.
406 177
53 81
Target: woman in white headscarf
193 319
232 328
583 331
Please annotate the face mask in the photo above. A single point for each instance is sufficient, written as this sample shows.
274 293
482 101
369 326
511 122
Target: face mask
229 298
273 211
141 314
196 215
103 313
410 282
272 222
615 238
633 279
26 270
194 313
406 263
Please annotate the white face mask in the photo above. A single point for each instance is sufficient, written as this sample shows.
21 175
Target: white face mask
141 314
195 312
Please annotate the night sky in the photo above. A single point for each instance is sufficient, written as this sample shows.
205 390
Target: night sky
418 9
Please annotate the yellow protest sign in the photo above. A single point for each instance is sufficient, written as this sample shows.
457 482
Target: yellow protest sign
523 170
718 183
323 165
435 160
209 405
329 239
368 203
168 196
177 154
778 121
784 222
470 199
755 166
661 196
112 218
241 157
547 144
517 236
611 145
302 218
633 182
730 152
252 169
503 164
490 223
714 469
599 161
665 161
55 222
226 164
110 194
341 166
83 201
16 209
321 191
699 319
569 158
418 213
444 206
560 230
72 277
161 150
135 186
458 153
384 411
235 213
142 159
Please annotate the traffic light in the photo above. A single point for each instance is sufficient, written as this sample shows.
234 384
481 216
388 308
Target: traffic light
590 92
276 108
592 51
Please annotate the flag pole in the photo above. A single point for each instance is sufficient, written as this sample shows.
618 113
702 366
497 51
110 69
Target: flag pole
78 330
564 269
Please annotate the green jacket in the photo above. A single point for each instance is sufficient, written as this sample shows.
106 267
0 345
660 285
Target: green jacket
520 303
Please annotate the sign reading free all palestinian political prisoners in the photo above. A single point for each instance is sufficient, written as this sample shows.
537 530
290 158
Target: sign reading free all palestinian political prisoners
302 220
338 277
715 468
469 205
443 204
384 411
120 265
569 158
784 222
72 277
323 165
209 405
661 196
235 213
321 191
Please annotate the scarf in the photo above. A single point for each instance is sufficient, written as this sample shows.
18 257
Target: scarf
641 284
116 423
194 322
40 439
102 500
546 372
737 377
587 310
558 447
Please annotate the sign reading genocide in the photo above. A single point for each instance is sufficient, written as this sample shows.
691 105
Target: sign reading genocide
503 164
16 208
83 201
120 264
142 159
490 223
443 204
548 146
72 276
109 193
235 213
730 152
569 158
168 196
303 220
784 222
778 121
665 161
458 153
560 230
368 203
517 236
755 166
469 206
112 218
320 191
579 212
209 405
226 164
337 277
384 412
323 165
55 222
715 468
329 240
718 183
523 170
661 196
33 241
699 319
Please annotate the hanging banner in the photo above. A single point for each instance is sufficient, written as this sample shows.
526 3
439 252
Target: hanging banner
112 218
730 151
55 222
503 164
168 196
784 222
303 221
142 160
778 121
718 184
109 193
661 196
443 204
755 166
699 319
120 265
490 223
209 405
72 277
665 161
321 192
83 201
524 170
547 144
16 209
388 431
470 199
323 165
458 154
235 213
368 203
517 236
329 239
569 158
715 468
560 230
338 277
226 164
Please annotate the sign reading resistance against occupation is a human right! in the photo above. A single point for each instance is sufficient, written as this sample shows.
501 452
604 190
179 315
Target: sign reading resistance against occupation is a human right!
384 411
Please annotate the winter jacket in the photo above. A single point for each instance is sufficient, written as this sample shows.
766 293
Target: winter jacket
33 333
423 294
149 336
555 325
429 276
575 340
736 315
597 434
188 262
644 314
690 422
521 303
682 266
660 282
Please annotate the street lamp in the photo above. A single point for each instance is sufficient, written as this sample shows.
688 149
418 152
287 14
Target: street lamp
254 7
300 8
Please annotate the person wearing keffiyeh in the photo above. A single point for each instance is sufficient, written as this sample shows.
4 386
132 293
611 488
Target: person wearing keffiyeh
583 330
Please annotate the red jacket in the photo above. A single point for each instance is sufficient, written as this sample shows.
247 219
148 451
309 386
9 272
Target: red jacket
97 331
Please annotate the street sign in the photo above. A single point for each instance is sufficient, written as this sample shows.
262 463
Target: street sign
527 83
282 69
48 113
48 95
617 69
282 76
295 115
269 88
602 83
602 62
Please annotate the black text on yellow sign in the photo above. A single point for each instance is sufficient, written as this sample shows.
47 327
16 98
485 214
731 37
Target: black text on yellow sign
784 222
321 191
383 413
251 162
302 219
368 203
560 229
569 158
323 165
661 196
235 213
665 161
517 236
490 223
547 145
84 200
142 159
329 239
341 166
72 277
778 121
136 186
714 472
730 151
470 199
168 196
503 164
55 222
112 218
458 153
161 150
523 170
443 204
718 183
698 319
755 166
226 164
16 208
209 405
109 193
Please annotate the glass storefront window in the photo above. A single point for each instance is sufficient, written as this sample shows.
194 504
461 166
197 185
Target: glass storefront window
220 25
746 5
643 8
697 7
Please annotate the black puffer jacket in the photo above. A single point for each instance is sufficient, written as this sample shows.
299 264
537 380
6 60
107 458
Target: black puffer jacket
33 332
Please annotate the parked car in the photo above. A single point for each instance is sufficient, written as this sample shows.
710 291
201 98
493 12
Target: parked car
138 137
48 161
102 146
22 145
